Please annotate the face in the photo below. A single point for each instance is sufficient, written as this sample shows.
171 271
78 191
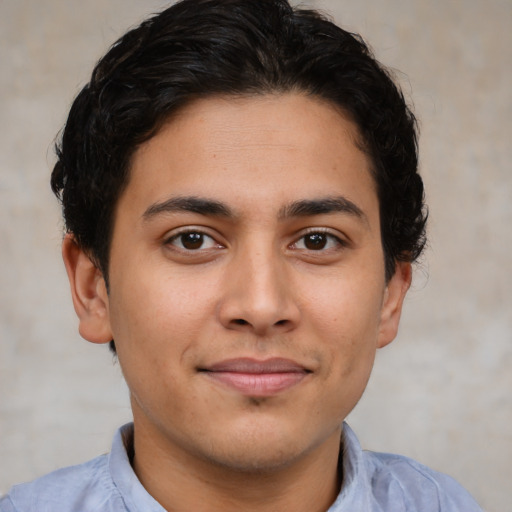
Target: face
247 290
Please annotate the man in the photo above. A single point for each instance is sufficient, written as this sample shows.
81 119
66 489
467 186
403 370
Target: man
242 204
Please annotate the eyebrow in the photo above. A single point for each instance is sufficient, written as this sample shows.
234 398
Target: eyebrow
322 206
191 204
211 207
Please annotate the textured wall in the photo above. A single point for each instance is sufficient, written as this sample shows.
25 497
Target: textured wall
441 393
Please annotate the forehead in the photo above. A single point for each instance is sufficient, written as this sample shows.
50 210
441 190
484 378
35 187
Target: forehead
258 149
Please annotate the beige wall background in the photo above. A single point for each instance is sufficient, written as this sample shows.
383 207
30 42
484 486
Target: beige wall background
441 393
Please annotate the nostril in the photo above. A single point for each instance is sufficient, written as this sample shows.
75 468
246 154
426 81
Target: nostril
240 321
281 322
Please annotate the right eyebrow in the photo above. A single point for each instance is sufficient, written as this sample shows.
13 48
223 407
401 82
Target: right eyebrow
193 204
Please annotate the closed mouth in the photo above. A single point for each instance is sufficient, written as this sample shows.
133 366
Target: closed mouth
257 378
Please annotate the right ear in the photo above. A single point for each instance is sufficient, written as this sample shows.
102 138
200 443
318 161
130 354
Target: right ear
88 291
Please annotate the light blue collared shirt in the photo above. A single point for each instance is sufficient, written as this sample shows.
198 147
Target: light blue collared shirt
372 482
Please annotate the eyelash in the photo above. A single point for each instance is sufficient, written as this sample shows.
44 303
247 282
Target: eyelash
325 234
325 237
201 234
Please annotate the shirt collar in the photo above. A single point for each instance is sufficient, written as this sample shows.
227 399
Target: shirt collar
132 491
355 488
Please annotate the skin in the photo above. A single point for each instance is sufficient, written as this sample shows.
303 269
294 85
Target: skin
253 272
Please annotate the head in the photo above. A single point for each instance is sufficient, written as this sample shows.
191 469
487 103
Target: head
205 48
239 183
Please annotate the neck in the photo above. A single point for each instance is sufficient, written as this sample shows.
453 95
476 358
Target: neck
179 481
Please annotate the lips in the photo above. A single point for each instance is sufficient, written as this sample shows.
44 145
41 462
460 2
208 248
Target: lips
257 378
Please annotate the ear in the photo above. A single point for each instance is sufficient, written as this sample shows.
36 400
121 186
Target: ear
394 295
88 291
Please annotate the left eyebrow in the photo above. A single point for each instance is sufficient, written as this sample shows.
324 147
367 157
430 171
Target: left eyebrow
322 206
191 204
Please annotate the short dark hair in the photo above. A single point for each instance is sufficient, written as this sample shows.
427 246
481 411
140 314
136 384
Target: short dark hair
200 48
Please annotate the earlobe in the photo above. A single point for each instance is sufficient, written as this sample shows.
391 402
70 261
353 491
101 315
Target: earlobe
88 292
394 296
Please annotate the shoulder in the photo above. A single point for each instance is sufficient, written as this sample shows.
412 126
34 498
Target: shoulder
87 487
397 479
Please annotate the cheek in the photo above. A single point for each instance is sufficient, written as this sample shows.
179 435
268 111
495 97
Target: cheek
155 323
346 319
344 308
157 307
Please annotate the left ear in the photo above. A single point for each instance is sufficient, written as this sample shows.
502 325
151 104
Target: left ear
394 295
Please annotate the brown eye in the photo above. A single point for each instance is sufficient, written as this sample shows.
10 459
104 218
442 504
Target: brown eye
192 241
315 241
318 241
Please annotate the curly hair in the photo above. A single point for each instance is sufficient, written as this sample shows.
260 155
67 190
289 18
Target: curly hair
201 48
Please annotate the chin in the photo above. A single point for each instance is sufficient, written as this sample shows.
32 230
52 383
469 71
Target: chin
261 450
255 460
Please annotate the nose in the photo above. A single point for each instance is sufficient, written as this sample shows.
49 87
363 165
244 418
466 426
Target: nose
258 295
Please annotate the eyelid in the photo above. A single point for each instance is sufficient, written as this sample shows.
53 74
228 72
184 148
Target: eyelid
341 239
172 235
